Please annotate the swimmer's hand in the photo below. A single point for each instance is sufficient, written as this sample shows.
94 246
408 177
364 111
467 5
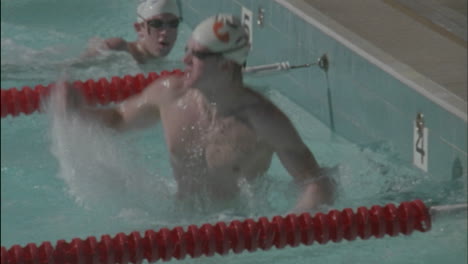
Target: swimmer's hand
71 100
316 192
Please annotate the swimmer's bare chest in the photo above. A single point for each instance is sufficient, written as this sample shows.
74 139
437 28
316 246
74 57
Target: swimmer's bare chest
217 148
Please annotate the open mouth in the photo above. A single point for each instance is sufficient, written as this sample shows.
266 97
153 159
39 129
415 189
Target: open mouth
164 44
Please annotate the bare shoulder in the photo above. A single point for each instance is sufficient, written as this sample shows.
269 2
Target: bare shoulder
261 108
116 43
269 121
166 89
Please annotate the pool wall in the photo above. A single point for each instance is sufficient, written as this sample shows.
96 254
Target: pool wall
366 96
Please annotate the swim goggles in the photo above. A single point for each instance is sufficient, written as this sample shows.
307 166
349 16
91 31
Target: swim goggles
159 23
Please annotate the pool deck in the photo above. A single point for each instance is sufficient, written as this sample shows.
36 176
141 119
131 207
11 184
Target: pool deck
429 36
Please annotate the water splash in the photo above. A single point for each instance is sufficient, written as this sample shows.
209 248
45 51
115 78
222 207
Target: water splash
97 167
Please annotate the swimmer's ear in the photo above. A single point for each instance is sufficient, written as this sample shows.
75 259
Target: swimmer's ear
138 29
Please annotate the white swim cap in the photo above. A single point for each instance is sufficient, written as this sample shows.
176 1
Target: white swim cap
150 8
224 33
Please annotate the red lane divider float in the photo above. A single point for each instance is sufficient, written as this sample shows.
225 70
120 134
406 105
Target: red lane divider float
27 100
237 236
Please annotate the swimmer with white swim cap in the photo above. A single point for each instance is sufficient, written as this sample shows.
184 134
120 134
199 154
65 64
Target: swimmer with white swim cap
156 28
218 131
224 34
220 36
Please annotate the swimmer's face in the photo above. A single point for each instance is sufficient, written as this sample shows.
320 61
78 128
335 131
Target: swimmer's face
201 65
158 34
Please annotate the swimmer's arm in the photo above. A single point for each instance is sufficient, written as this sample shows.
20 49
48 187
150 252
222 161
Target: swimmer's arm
295 156
116 44
274 127
316 187
95 47
139 111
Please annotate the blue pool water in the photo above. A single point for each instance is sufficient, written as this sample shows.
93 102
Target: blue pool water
62 179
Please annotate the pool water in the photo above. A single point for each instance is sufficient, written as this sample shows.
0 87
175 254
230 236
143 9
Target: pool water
63 178
38 48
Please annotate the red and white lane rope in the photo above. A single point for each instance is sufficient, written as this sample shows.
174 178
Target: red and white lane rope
235 236
28 100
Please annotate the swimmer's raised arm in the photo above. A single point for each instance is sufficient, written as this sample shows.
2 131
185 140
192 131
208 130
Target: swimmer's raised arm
138 111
